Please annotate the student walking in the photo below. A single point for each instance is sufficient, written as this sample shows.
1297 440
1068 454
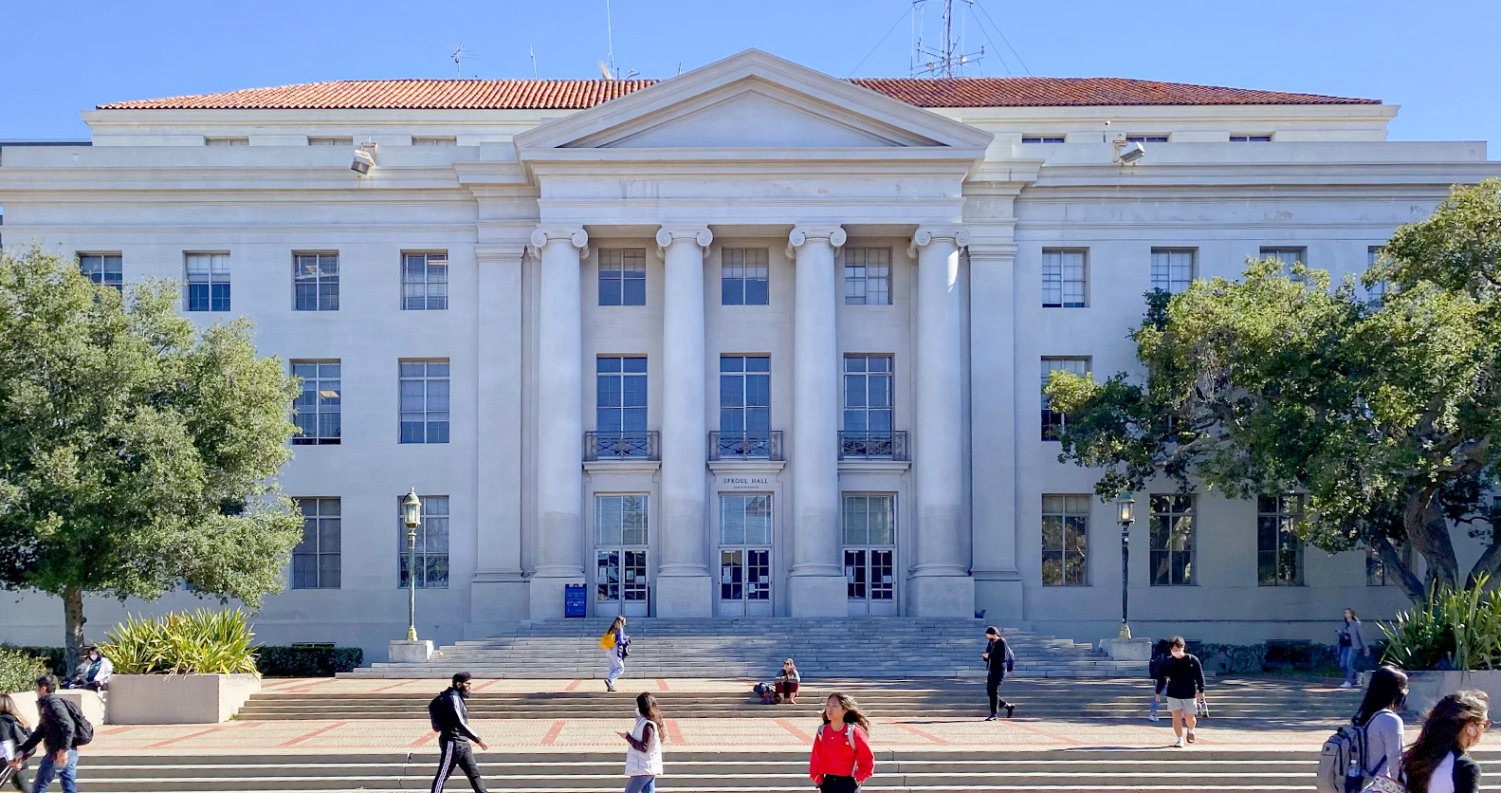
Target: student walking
1378 717
15 730
842 759
450 719
1438 761
998 661
643 759
787 682
1351 646
1160 654
59 735
614 642
1182 679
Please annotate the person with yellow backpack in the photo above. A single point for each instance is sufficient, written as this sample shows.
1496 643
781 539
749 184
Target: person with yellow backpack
613 642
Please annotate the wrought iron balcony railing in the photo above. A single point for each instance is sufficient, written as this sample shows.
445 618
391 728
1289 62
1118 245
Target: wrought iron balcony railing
873 445
644 445
746 445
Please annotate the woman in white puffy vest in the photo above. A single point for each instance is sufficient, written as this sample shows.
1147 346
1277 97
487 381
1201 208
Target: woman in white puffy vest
643 760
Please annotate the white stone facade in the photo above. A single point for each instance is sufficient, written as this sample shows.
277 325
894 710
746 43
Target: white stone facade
748 154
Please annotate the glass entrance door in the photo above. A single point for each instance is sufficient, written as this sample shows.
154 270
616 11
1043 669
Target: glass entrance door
745 582
620 583
870 582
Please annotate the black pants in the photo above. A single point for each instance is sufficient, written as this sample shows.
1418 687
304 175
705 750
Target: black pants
457 754
838 784
993 690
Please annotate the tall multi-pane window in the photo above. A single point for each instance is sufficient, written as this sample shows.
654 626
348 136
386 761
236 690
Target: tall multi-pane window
743 274
622 277
1377 573
1063 279
867 276
1279 550
315 281
1172 269
870 519
316 560
744 397
620 404
208 281
1065 540
424 281
1172 540
868 396
432 544
424 401
317 404
620 520
1288 257
102 268
1053 421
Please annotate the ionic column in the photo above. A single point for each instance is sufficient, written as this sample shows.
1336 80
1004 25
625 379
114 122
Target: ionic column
683 583
560 422
941 586
816 586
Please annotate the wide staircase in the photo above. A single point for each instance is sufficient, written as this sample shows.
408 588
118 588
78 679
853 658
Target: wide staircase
754 648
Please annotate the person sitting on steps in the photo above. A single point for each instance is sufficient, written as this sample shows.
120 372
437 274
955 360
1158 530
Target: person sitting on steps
787 682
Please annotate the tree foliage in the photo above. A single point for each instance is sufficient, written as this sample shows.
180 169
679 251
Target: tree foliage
136 453
1384 411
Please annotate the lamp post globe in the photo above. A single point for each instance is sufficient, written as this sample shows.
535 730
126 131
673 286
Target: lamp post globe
411 515
1126 514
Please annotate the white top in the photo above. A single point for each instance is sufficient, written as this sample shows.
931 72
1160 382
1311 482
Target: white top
649 762
1442 780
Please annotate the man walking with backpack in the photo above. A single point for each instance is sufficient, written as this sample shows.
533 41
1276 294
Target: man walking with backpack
61 729
998 661
450 719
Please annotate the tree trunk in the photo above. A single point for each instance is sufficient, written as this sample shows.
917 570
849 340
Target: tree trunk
1394 563
73 621
1428 530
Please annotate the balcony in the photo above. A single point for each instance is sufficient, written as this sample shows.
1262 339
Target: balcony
873 446
746 446
643 445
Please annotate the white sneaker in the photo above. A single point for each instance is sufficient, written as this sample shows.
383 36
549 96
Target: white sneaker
1152 717
1345 684
1178 744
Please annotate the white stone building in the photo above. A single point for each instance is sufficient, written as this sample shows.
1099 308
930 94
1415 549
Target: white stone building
750 341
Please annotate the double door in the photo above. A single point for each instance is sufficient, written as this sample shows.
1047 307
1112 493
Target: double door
745 582
870 581
621 585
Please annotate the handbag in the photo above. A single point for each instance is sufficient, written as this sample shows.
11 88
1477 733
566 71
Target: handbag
1385 784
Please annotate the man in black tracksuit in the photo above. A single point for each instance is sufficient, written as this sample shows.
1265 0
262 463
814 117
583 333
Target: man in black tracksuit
450 718
998 661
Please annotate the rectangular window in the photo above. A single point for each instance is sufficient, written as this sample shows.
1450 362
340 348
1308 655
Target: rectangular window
103 268
316 560
1063 279
867 276
745 519
208 281
1146 139
317 405
1052 421
226 141
1042 139
868 396
1376 571
424 281
1279 551
622 277
1173 270
744 396
434 141
1250 138
620 397
1172 540
620 520
743 277
1288 257
1376 293
315 281
870 519
424 401
330 141
431 549
1065 540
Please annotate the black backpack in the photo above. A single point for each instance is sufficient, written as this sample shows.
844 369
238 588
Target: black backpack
434 708
83 731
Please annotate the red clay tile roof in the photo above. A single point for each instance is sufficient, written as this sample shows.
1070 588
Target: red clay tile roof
579 94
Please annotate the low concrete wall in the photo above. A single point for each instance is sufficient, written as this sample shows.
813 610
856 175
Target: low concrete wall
1426 688
178 699
90 702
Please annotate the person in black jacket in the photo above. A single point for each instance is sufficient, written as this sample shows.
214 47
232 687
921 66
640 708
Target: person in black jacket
1183 677
451 720
55 732
1439 759
13 728
998 661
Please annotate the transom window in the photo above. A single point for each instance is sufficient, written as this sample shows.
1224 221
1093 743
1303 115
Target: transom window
1053 422
743 277
1063 279
868 395
424 401
318 403
315 281
1279 550
867 276
424 281
1065 540
1250 138
620 520
434 141
622 277
1146 139
316 560
1172 540
225 141
1042 139
208 281
102 268
1173 270
432 544
870 519
330 141
745 519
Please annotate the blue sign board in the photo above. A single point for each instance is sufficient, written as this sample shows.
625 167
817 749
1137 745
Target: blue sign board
574 600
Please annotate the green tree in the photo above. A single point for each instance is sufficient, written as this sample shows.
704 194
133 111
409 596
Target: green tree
1385 411
136 454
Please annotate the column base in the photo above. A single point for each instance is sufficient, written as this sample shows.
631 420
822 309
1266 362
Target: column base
1127 649
941 596
684 596
545 596
405 652
1001 600
817 596
495 600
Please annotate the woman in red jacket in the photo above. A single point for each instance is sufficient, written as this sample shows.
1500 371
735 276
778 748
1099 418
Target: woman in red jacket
842 759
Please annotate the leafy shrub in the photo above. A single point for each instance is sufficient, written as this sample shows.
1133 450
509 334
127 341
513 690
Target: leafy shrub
56 659
1453 629
188 642
19 670
307 661
1235 659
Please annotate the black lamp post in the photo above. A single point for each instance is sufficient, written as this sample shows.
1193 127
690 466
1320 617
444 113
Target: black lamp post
1126 513
411 515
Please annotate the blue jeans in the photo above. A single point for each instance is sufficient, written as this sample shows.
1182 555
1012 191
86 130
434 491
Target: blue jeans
47 769
1347 658
641 784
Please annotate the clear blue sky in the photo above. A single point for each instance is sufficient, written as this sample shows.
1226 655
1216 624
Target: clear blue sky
1437 59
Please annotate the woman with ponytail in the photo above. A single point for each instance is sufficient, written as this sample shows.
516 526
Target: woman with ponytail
643 760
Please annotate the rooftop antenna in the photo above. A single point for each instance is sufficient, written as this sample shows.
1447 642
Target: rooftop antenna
458 57
949 57
533 56
613 74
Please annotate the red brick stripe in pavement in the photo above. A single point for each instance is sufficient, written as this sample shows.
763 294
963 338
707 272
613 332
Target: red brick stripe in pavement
388 688
1040 731
920 733
314 734
674 736
423 741
553 732
310 686
572 686
486 684
662 685
170 741
799 734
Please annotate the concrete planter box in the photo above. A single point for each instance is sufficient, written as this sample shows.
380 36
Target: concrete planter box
178 699
90 702
1426 688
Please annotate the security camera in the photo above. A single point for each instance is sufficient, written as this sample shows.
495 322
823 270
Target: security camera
1130 153
364 159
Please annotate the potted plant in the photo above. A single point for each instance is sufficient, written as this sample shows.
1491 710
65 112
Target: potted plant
195 667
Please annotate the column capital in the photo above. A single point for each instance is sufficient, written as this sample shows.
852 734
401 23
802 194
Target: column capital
573 234
925 235
670 234
800 235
